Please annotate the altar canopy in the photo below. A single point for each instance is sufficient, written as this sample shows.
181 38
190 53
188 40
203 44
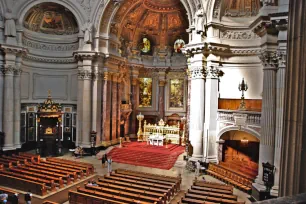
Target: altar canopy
49 118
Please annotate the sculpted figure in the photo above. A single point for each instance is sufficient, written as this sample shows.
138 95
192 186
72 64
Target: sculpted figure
10 27
87 29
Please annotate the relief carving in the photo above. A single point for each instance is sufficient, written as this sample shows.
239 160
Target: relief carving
238 35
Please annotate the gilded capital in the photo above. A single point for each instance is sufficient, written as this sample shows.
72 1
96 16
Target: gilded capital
161 83
134 81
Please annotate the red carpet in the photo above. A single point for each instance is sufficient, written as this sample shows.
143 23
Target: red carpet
141 154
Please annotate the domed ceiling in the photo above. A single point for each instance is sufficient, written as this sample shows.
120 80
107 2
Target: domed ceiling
51 18
160 21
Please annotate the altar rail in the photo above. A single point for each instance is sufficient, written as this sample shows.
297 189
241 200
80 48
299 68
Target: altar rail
171 133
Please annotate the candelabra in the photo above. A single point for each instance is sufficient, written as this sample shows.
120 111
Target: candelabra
139 133
183 141
242 87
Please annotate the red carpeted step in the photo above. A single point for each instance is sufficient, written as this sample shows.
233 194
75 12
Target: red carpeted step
142 154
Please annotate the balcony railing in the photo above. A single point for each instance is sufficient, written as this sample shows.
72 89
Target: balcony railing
253 118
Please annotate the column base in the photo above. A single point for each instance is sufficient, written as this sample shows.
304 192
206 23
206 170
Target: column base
85 144
259 191
274 191
195 158
8 147
212 159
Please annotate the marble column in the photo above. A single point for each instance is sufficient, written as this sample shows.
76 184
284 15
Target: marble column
94 102
8 106
197 75
267 139
119 96
106 108
79 104
211 110
114 109
161 95
86 109
1 90
293 150
280 88
133 115
17 103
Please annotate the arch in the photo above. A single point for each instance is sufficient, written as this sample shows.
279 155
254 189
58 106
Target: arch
24 8
233 127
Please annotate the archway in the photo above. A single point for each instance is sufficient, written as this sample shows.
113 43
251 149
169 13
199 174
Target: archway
240 150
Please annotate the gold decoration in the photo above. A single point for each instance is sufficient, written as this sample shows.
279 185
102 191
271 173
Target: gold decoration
48 131
145 92
176 93
139 133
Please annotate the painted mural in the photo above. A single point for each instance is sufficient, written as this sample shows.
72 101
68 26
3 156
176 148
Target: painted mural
145 92
176 93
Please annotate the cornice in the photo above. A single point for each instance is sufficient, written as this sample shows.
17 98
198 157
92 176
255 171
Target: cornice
50 60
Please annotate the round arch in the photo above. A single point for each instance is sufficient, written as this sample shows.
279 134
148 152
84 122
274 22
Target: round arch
233 127
24 8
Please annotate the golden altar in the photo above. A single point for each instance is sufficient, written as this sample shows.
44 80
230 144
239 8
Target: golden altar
171 133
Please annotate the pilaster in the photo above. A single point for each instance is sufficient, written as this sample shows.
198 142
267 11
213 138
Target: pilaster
114 107
106 106
161 95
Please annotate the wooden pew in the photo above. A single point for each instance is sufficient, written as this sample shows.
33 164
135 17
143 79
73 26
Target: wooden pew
78 198
195 201
139 178
65 161
125 194
47 172
134 190
63 169
148 175
136 186
24 161
104 195
49 202
58 180
9 162
6 164
28 155
67 166
7 191
212 194
210 199
50 183
29 159
170 188
23 184
213 185
212 190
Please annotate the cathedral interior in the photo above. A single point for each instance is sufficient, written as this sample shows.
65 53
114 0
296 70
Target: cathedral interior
163 87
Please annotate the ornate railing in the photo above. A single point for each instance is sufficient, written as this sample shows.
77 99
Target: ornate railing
253 118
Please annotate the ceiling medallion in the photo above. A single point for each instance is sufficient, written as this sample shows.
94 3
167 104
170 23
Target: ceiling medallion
162 5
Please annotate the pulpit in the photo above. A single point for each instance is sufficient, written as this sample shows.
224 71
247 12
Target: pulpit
49 118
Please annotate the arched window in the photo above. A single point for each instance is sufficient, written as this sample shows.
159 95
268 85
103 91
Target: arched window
145 45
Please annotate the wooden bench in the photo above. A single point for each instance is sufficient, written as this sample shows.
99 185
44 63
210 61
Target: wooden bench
125 194
47 172
78 198
23 184
212 190
58 180
49 202
134 190
29 159
139 178
9 162
72 172
210 199
213 185
114 197
217 195
8 191
68 166
141 187
28 155
192 201
24 161
170 188
80 164
50 183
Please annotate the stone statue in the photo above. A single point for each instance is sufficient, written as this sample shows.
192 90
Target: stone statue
87 29
200 20
10 27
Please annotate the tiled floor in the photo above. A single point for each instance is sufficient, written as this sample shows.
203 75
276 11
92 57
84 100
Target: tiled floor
179 168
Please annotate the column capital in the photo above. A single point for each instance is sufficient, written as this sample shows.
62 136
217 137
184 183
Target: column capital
8 69
197 72
213 72
269 59
134 81
162 82
85 74
107 76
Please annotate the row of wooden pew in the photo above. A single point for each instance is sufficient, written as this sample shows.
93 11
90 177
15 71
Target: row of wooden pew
241 166
228 176
124 186
28 171
208 192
